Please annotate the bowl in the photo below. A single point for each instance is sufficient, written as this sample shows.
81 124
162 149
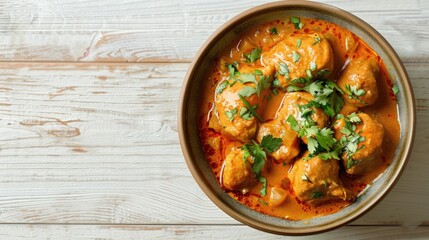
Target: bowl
188 116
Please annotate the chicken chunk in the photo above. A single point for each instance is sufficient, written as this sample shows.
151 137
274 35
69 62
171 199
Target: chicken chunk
289 148
291 106
359 82
237 172
369 142
316 181
232 112
293 56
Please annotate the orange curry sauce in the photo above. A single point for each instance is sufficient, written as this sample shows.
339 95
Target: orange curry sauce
345 46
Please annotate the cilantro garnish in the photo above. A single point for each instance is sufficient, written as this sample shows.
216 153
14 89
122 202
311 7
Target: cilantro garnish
395 89
247 91
295 57
354 93
233 70
250 108
221 86
317 40
326 93
257 152
253 56
297 22
316 195
298 42
230 114
350 139
274 31
313 66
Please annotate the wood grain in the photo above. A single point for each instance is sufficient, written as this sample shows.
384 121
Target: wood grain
97 143
159 31
110 232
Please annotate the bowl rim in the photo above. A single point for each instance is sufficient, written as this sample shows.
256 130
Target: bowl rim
308 5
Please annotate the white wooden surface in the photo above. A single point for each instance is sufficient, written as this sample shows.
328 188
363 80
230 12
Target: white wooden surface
88 102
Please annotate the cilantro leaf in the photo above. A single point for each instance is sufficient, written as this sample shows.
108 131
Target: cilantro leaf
317 40
221 86
298 42
354 93
230 114
273 31
247 91
293 123
270 143
283 70
233 70
313 66
253 56
263 190
250 108
247 78
316 195
245 114
297 22
312 145
295 57
395 89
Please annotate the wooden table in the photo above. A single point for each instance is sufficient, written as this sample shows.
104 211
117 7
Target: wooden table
89 145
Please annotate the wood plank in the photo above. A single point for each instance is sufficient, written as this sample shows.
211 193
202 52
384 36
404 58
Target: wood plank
163 30
106 232
97 143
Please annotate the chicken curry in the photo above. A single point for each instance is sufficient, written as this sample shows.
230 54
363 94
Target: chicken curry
298 117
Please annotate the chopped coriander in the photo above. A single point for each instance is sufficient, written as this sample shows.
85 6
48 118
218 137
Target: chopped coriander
257 72
230 114
313 66
270 143
300 80
297 22
233 70
247 78
395 89
250 108
274 31
350 163
295 57
247 91
263 190
304 177
308 72
253 56
293 123
298 42
283 69
316 195
245 114
276 83
262 202
221 87
354 93
317 40
354 118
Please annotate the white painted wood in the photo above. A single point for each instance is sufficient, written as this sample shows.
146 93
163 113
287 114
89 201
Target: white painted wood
130 232
164 30
97 143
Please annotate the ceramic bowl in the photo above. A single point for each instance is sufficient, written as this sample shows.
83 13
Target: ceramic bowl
189 104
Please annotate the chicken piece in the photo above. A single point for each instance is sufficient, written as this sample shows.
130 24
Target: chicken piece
368 150
316 181
290 106
289 148
232 112
298 53
237 173
359 82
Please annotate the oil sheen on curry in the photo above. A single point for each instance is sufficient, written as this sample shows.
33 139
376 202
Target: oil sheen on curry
298 117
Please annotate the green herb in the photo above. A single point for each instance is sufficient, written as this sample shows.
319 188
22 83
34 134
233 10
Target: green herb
253 56
354 93
317 40
304 177
247 91
293 123
221 87
297 22
300 80
233 70
283 69
298 42
230 114
247 78
308 72
313 66
295 57
350 138
326 93
262 202
350 163
395 89
250 108
274 31
316 195
263 190
270 143
245 114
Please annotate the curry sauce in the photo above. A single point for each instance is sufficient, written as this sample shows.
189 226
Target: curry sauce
297 117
